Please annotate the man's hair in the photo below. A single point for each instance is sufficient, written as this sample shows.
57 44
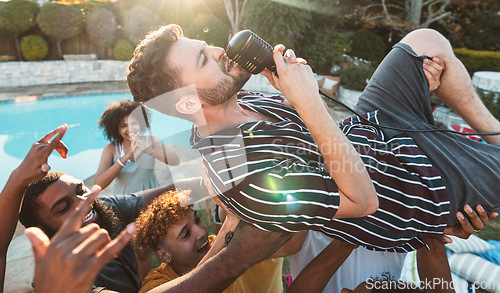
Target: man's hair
113 116
155 220
148 74
28 216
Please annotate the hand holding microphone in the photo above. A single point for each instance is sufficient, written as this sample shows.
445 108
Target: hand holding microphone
255 55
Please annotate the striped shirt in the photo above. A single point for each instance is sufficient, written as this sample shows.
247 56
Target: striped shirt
272 175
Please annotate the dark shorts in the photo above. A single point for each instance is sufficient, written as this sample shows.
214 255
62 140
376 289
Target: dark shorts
400 91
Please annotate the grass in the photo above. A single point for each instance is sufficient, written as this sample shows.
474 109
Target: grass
492 231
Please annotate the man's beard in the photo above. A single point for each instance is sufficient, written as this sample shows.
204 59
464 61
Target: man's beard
107 218
224 90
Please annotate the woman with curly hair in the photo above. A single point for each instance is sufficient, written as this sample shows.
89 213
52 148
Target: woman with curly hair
129 158
171 228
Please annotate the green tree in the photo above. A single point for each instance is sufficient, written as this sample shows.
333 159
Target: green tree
275 22
101 27
34 47
61 21
123 50
138 21
323 44
208 28
16 18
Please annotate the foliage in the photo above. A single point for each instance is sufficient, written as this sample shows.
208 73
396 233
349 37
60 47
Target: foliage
369 46
123 50
90 6
478 60
275 22
18 16
401 16
476 25
322 44
138 22
356 77
210 29
61 21
101 27
34 47
492 101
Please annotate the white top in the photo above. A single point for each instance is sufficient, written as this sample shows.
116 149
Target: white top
359 266
487 80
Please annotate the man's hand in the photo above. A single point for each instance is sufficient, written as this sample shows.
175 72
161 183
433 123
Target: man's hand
433 70
72 259
465 228
289 66
34 166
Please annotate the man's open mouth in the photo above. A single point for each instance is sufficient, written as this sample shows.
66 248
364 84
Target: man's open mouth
90 217
204 248
229 65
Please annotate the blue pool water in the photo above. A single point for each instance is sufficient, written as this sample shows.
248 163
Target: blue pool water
21 124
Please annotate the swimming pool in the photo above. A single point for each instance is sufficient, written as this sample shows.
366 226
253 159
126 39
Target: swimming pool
25 122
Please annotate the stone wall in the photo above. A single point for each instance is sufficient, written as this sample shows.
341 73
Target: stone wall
14 74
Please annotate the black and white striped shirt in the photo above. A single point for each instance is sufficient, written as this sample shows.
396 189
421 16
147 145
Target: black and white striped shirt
272 175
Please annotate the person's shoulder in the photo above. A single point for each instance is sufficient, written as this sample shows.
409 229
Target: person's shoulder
110 147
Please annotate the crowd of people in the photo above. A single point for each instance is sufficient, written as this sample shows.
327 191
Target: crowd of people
342 202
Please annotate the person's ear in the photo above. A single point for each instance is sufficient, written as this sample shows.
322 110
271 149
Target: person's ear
188 104
163 255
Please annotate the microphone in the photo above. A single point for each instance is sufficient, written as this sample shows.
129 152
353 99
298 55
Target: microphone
251 52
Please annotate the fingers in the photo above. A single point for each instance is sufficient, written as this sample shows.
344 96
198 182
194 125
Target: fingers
114 247
444 239
56 142
93 241
62 149
483 217
45 167
493 215
466 225
278 57
39 241
477 222
74 223
302 61
291 56
49 135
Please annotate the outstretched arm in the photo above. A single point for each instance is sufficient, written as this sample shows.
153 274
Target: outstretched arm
33 168
316 275
297 83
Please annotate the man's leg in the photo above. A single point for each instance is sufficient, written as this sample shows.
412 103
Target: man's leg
456 88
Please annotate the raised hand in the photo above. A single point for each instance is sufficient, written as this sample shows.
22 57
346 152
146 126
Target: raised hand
433 68
34 166
71 260
465 228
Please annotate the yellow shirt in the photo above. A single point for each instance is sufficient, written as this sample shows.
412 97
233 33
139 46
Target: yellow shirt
264 277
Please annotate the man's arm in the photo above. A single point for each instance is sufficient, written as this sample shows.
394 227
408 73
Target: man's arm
32 168
248 246
297 83
316 275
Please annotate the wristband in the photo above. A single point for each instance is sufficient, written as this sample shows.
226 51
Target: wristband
120 162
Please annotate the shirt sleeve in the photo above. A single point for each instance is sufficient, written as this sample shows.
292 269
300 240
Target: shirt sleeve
291 198
127 207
